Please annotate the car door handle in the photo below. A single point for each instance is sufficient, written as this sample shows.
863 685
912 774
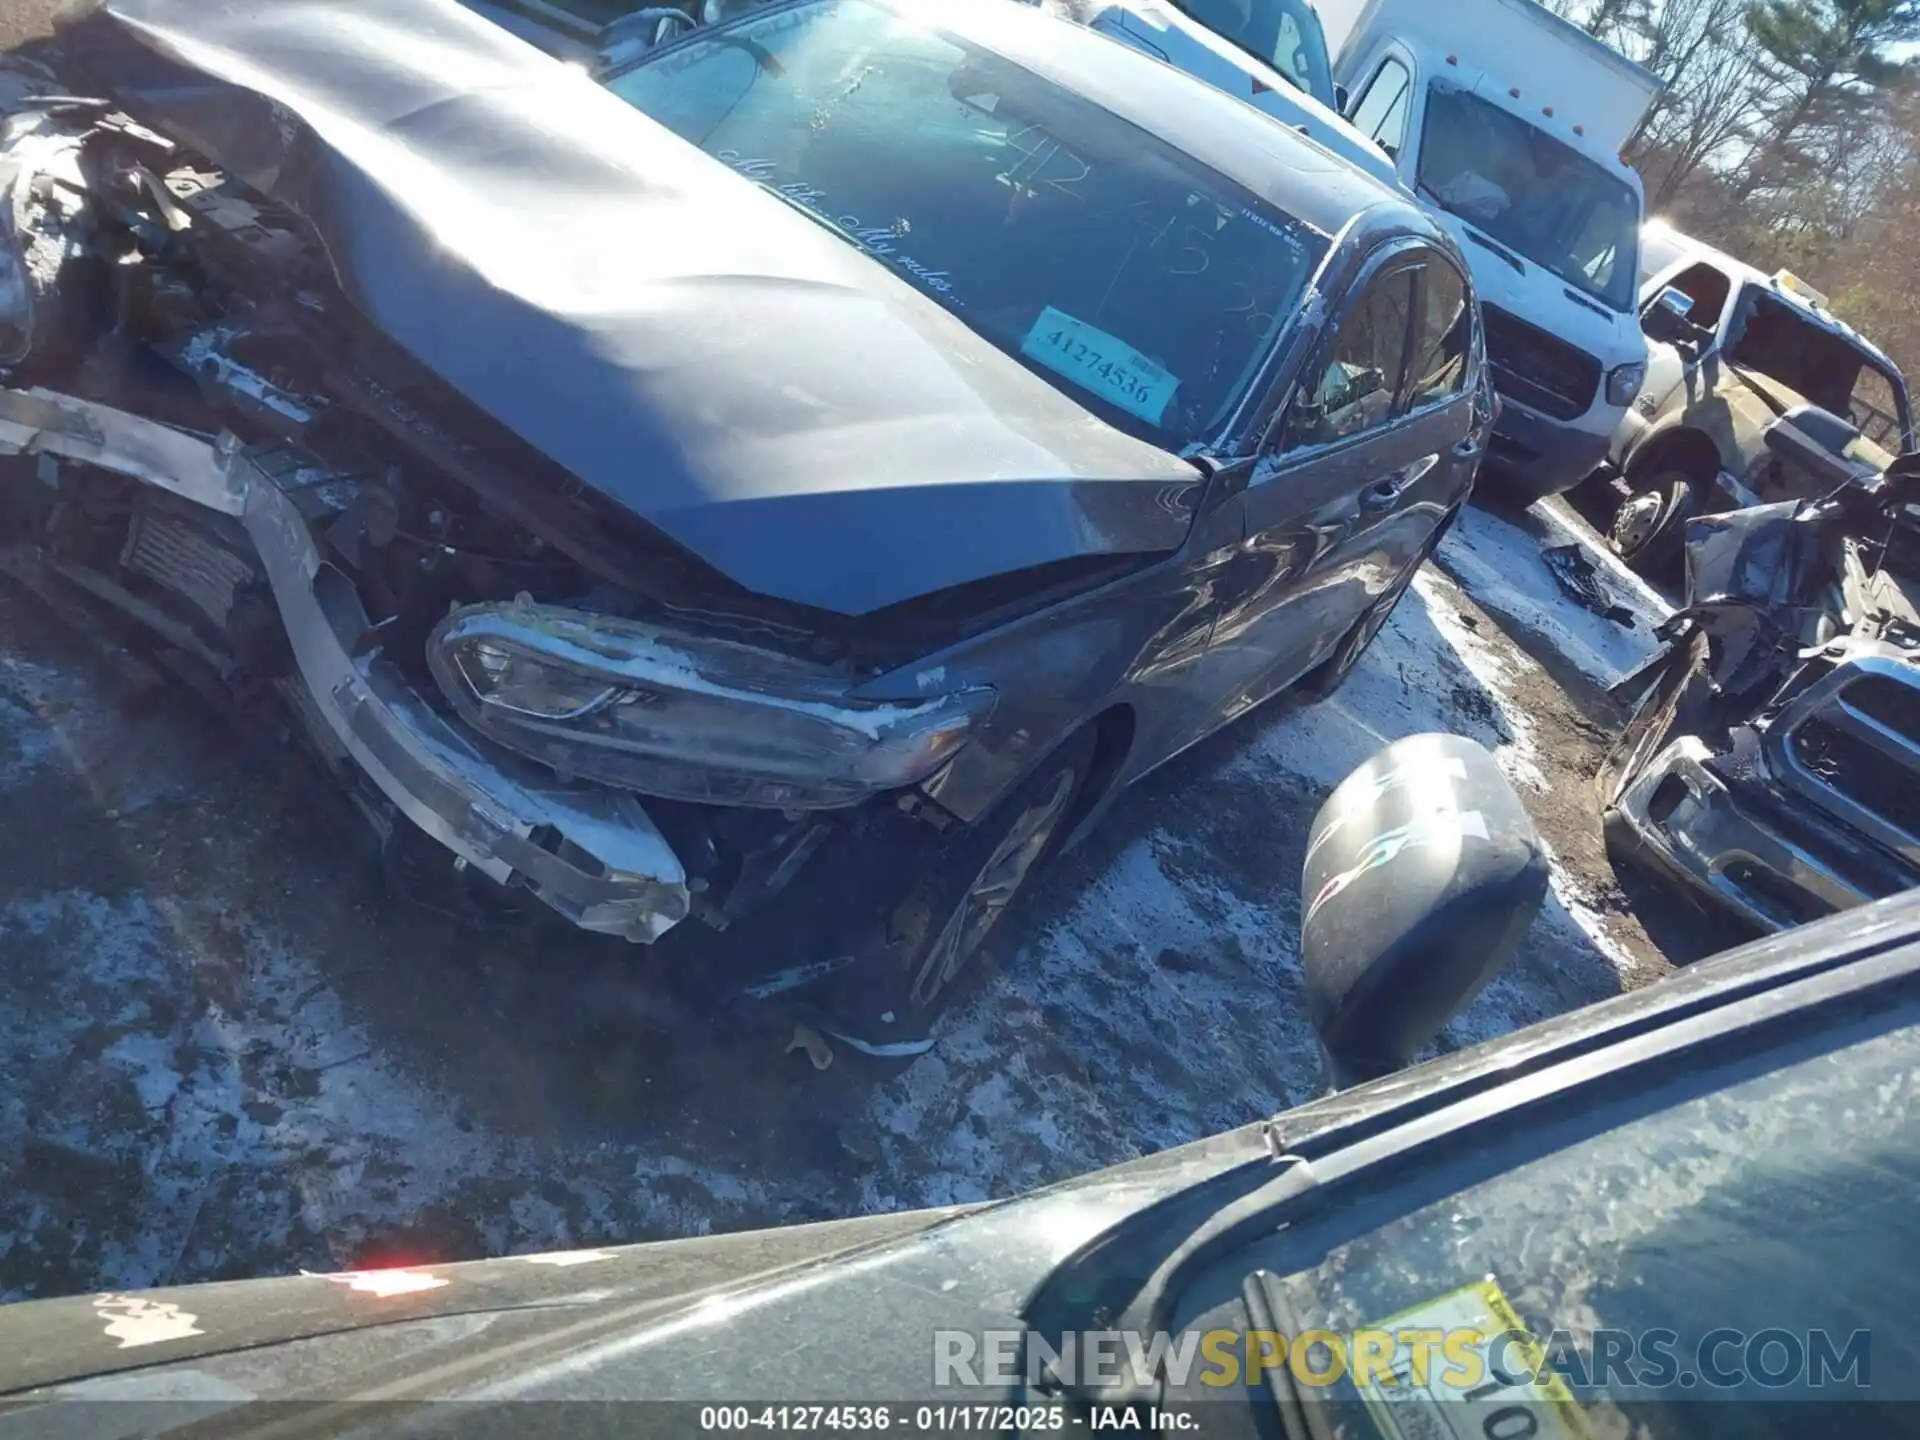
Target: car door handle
1386 494
1470 449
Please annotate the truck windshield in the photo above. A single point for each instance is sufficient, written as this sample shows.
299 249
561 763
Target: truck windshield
1284 34
1532 193
1120 270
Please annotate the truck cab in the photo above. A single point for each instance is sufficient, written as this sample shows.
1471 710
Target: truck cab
1510 124
1735 354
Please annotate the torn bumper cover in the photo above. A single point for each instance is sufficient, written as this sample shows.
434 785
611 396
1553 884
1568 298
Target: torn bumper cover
593 855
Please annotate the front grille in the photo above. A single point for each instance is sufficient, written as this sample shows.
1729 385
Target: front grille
1856 754
1539 370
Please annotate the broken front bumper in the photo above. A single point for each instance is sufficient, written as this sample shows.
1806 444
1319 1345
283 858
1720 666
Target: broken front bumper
1770 861
592 855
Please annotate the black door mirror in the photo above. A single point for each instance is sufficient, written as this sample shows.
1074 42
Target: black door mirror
1423 873
1667 318
1341 98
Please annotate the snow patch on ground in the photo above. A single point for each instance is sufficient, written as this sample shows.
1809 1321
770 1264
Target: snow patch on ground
187 1090
1499 564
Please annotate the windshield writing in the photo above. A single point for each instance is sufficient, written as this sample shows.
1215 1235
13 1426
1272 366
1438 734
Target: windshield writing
1123 272
1284 34
1522 187
1730 1243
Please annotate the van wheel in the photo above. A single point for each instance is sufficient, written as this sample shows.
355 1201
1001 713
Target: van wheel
1647 527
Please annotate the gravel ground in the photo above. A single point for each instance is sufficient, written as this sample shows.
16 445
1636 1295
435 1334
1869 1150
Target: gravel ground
227 1053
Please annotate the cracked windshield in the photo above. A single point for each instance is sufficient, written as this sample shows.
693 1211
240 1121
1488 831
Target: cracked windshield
1064 236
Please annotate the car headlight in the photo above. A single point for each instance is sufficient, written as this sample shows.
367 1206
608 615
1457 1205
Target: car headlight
684 717
1624 382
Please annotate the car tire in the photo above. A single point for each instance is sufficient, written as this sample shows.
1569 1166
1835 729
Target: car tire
1680 702
1648 526
962 889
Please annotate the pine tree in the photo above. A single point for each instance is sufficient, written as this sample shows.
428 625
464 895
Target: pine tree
1827 64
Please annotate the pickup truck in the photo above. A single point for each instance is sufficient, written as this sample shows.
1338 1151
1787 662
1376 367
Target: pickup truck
1734 351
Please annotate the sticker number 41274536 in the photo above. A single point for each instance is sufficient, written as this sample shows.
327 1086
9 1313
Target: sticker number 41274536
1102 363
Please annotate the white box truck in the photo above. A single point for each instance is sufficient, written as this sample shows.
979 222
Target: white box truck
1511 123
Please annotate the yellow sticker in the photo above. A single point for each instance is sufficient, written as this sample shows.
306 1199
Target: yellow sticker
1415 1368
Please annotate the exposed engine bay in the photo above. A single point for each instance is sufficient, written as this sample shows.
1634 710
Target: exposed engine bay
284 509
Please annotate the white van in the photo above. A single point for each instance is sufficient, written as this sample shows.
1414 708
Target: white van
1511 122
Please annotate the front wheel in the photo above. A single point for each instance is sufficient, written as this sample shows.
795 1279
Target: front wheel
964 888
1648 526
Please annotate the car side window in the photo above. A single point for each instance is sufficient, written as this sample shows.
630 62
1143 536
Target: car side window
1381 114
1354 386
1442 337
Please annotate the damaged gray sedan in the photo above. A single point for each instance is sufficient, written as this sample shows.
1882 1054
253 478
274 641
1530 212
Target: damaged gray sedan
798 481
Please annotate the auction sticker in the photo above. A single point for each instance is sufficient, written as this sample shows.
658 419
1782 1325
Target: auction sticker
1102 363
1475 1350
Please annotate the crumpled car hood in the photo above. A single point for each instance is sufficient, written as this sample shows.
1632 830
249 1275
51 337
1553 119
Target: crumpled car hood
701 354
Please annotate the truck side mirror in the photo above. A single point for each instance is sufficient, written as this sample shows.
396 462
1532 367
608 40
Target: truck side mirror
1667 319
1341 98
1423 873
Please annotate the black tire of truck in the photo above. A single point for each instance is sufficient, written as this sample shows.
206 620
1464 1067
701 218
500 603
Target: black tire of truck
1680 702
963 887
1648 527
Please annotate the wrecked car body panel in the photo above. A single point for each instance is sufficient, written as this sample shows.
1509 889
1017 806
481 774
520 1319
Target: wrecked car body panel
746 382
1778 750
705 569
610 870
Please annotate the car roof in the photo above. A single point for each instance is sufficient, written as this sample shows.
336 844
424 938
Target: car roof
1223 133
1262 81
1695 252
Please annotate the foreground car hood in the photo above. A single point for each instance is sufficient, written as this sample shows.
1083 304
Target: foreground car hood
689 346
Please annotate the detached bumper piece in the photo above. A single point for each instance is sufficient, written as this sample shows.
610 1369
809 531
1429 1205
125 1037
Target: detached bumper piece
593 855
1770 860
